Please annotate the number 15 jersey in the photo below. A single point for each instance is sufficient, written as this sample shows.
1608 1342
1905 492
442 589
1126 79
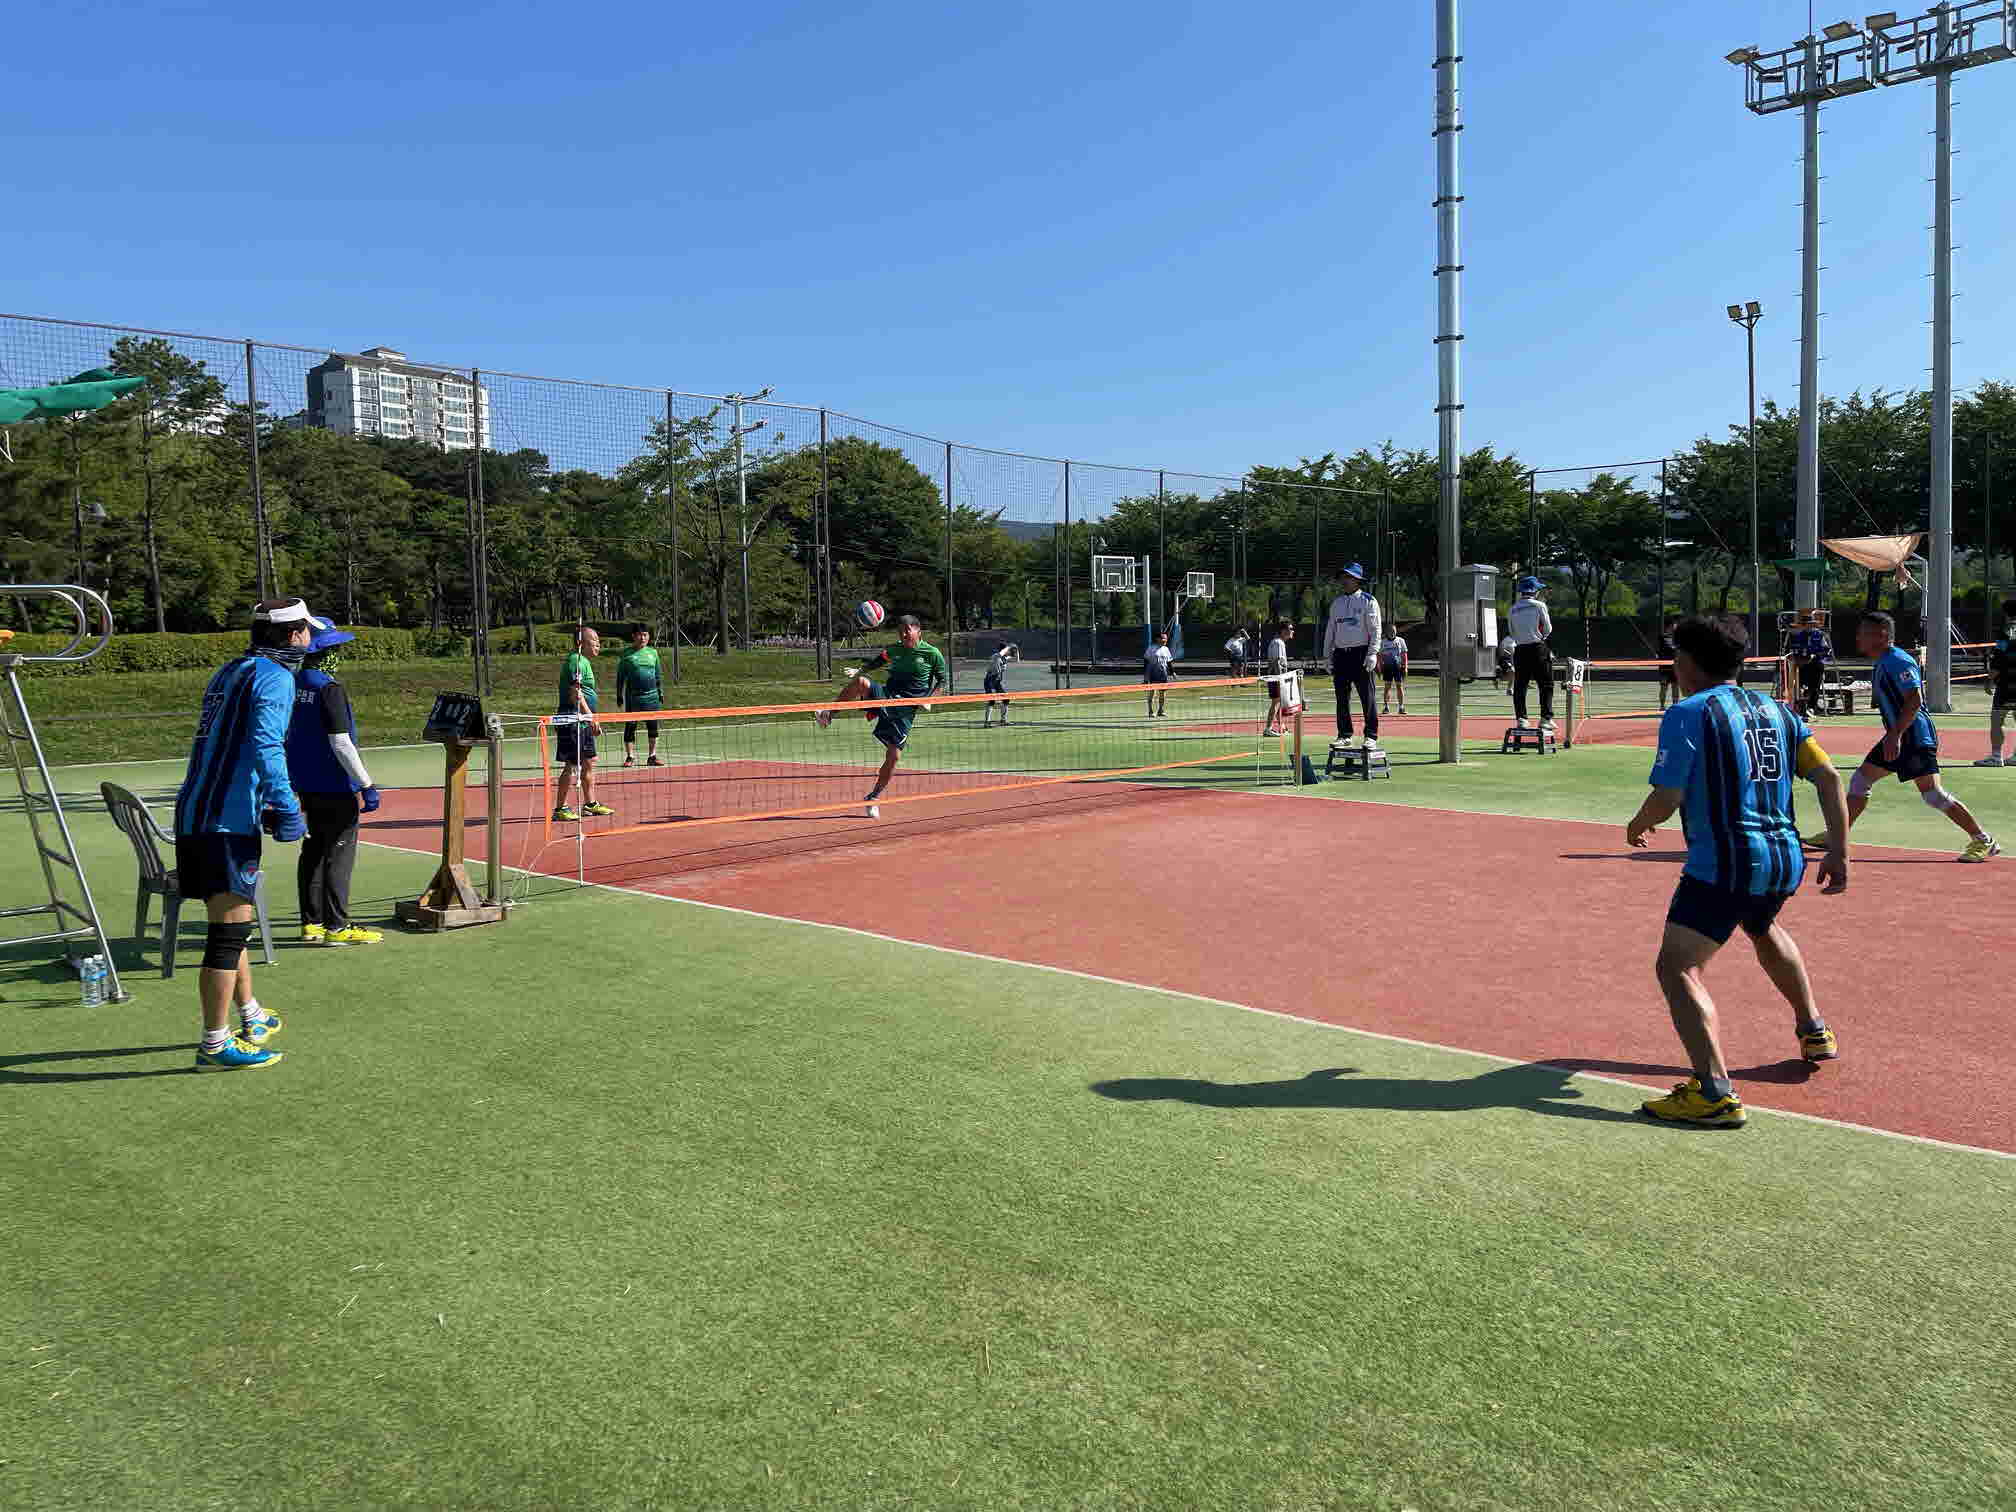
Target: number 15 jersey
1733 753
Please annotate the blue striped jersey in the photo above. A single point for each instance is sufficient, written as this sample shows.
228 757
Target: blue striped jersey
238 763
1732 752
1896 674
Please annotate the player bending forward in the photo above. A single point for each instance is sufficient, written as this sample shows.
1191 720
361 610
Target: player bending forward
997 682
1726 761
1909 749
916 669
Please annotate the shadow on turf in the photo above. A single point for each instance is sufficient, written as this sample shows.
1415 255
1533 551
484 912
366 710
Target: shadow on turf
1793 1071
1536 1088
8 1063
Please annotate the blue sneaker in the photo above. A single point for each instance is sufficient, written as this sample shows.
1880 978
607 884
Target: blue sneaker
235 1056
260 1027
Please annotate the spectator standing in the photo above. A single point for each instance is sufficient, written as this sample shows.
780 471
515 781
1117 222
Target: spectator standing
1349 636
1532 661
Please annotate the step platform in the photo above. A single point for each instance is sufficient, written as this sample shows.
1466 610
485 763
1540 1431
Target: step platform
1356 761
1540 742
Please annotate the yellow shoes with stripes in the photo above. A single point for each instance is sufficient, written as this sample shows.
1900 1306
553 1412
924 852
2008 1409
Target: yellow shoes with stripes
349 934
1981 849
1688 1104
1819 1045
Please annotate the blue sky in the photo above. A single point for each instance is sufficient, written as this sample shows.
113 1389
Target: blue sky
1192 236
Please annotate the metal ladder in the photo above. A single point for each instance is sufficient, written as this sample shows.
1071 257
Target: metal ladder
45 808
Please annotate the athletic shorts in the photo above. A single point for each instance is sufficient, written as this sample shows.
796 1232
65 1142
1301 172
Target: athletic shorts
648 726
206 865
1718 912
572 744
993 684
1160 675
1913 761
892 726
1392 674
2004 701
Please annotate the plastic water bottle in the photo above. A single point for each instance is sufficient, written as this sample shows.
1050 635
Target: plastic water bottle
92 976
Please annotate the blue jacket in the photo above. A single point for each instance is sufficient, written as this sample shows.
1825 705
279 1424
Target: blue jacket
310 760
238 762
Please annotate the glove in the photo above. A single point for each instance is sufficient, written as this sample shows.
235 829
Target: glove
371 800
284 825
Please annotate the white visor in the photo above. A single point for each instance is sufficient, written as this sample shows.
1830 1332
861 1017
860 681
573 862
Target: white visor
286 614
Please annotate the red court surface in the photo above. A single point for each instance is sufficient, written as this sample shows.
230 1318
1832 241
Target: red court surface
1530 939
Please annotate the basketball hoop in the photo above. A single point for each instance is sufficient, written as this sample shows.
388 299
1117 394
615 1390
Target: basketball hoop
1115 574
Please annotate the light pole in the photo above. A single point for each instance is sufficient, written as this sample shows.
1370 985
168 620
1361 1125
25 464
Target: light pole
1843 61
1747 316
742 492
1449 389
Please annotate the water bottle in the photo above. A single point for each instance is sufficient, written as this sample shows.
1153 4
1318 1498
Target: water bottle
91 976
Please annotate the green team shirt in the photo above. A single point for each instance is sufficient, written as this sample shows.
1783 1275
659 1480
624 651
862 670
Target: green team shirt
637 679
913 670
577 668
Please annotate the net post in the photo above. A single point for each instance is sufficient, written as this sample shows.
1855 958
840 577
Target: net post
493 824
1297 765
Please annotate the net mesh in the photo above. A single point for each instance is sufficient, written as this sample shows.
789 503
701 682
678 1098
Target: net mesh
1620 702
777 765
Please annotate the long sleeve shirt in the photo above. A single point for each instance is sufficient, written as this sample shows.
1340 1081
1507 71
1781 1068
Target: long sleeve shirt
1353 621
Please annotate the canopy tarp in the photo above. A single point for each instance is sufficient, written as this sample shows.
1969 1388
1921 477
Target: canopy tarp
1806 569
90 390
1878 553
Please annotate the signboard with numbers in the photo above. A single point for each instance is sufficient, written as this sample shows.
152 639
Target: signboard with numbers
456 719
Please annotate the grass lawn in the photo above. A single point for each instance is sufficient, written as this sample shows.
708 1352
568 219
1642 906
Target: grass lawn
631 1203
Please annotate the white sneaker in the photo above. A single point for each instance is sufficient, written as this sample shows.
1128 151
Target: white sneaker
823 718
1547 726
1990 761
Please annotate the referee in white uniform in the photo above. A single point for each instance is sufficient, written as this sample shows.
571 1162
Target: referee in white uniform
1349 637
1532 662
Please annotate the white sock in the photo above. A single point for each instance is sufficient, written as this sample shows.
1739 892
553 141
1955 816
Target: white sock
215 1040
250 1009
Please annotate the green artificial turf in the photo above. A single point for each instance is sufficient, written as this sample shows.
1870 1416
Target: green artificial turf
629 1203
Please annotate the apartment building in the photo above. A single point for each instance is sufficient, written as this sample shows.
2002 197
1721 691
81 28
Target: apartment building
377 392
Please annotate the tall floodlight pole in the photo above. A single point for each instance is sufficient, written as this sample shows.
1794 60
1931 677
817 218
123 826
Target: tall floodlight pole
742 494
1747 316
1449 406
1842 61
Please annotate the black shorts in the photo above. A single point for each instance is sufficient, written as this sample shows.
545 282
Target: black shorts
1718 912
648 726
1392 674
1914 760
992 684
573 744
1154 679
206 865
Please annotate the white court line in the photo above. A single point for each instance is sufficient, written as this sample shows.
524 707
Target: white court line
1198 997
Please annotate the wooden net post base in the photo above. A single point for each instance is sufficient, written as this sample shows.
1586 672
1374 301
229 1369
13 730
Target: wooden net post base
451 900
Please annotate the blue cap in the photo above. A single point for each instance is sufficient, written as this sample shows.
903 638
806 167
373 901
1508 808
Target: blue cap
1530 585
327 637
1355 569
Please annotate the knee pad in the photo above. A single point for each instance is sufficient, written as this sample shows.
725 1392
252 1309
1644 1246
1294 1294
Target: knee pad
224 944
1859 786
1938 798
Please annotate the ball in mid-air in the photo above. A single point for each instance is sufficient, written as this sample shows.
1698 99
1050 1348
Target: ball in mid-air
868 614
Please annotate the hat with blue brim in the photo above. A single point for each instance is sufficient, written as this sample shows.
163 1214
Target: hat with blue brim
1530 585
327 637
1355 569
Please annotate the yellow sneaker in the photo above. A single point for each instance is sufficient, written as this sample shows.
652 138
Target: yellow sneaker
313 934
597 810
1819 1045
1687 1104
354 934
1981 849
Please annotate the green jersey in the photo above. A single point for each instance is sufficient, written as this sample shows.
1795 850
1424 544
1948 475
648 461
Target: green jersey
913 670
577 669
638 685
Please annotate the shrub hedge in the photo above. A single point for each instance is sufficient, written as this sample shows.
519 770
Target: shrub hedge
173 652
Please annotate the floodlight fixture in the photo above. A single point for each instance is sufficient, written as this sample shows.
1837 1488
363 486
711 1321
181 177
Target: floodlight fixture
1740 55
1735 312
1880 20
1754 309
1839 31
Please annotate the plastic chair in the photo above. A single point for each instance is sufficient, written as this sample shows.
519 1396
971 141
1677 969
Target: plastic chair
137 823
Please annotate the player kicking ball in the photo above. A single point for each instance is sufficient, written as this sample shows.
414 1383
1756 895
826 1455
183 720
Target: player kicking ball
1909 749
1727 756
914 669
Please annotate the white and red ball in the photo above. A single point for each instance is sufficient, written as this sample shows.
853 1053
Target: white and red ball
868 614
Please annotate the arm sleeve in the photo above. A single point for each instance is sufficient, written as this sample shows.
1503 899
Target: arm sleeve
624 675
348 758
1679 745
1809 758
1546 621
940 673
1374 630
335 706
273 710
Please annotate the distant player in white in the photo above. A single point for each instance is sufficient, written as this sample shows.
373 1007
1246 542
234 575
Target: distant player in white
1276 662
1392 672
1532 662
997 671
1349 636
1155 672
1237 650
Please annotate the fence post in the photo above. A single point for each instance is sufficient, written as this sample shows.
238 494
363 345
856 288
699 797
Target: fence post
1067 572
672 508
479 549
1159 615
951 603
261 549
